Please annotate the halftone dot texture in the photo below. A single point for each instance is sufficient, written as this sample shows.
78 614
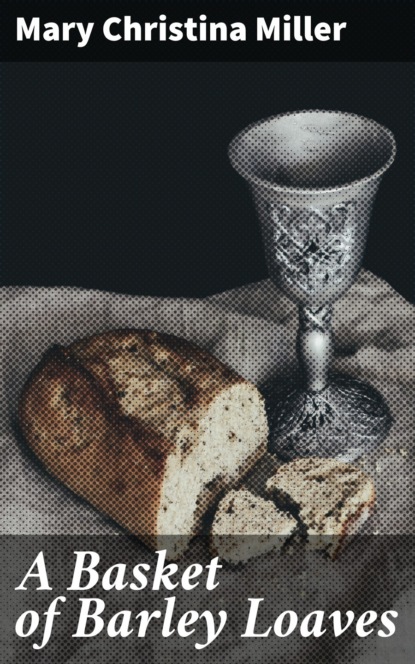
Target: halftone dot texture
253 330
108 416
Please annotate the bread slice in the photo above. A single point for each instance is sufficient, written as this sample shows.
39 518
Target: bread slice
147 427
331 498
246 526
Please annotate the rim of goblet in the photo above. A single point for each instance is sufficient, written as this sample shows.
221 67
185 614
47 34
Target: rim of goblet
254 179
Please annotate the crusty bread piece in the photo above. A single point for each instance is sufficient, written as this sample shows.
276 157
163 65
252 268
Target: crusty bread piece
147 427
246 525
331 498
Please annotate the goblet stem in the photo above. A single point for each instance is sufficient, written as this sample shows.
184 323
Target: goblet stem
315 346
331 415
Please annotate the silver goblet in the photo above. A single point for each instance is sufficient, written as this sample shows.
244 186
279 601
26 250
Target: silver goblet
314 176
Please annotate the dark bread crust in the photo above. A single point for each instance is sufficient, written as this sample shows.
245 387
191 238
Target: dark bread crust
98 462
72 417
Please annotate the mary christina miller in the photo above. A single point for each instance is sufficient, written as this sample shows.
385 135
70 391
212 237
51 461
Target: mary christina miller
286 28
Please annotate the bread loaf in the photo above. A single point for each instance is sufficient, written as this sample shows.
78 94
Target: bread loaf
331 498
146 427
246 526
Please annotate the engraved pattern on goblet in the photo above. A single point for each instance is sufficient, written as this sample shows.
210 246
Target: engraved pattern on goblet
338 421
312 246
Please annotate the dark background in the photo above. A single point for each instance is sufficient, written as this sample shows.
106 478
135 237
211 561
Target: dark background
115 175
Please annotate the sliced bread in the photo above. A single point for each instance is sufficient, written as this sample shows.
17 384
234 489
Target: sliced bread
331 498
246 526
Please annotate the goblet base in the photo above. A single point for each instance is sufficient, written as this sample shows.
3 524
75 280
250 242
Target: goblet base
345 420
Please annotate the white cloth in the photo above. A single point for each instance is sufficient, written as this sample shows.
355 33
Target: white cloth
253 329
